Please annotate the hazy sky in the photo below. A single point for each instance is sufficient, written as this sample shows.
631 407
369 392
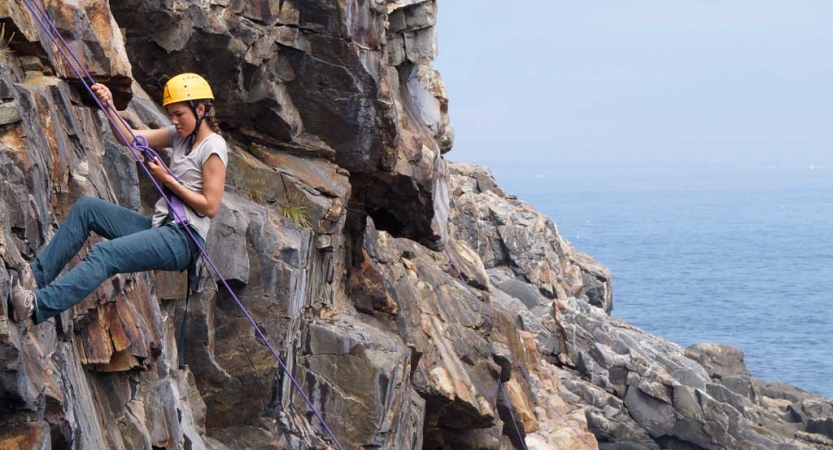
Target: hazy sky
643 82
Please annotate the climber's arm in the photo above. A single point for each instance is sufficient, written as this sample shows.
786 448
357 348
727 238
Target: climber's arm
157 138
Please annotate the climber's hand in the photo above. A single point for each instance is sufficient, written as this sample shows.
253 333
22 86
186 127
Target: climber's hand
157 169
102 92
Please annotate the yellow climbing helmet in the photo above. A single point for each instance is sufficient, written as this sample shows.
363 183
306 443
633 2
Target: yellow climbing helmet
185 87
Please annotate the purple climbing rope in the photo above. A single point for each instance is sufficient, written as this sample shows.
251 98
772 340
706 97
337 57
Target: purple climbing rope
139 144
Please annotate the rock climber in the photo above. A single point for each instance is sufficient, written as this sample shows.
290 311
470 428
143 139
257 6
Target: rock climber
135 243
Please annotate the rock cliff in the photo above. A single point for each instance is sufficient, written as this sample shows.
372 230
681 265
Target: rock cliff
416 303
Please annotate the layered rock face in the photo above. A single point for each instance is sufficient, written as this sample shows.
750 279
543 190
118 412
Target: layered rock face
350 82
416 304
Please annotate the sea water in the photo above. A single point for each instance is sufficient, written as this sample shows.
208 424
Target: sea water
741 256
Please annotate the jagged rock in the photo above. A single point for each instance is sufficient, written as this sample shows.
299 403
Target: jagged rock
525 292
413 17
9 113
721 361
445 322
362 375
542 327
607 416
816 414
264 434
438 316
509 233
464 263
430 101
95 41
780 391
34 436
677 401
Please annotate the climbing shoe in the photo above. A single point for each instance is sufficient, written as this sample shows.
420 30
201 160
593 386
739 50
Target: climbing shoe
23 302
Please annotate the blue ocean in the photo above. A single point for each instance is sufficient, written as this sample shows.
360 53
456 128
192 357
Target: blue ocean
737 255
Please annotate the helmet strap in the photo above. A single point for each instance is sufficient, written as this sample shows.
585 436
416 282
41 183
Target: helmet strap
193 136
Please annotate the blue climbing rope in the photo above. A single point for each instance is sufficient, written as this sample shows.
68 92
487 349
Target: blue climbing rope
139 146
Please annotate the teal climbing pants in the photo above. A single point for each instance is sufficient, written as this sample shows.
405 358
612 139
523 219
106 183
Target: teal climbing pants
133 245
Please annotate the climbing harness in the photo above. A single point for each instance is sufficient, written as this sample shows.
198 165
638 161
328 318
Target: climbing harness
515 362
138 147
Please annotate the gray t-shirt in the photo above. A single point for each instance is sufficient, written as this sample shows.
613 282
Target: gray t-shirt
188 168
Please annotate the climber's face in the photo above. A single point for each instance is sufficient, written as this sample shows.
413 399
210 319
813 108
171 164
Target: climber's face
183 118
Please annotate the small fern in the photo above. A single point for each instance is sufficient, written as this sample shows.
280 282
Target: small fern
295 211
5 43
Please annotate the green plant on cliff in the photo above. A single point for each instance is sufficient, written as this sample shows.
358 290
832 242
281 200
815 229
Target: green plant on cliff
295 211
257 188
4 43
294 208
